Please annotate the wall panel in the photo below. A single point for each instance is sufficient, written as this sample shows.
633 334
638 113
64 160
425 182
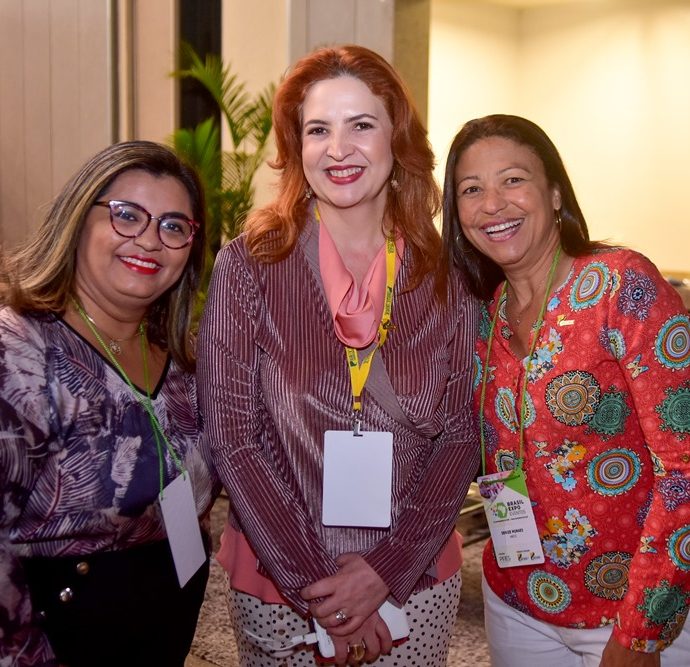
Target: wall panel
12 152
38 171
55 101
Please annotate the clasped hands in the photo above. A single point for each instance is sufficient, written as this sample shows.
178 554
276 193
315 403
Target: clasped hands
348 609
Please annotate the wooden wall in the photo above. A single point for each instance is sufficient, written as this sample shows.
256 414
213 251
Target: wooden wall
55 100
75 76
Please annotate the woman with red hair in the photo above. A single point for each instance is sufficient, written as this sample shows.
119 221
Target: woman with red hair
335 364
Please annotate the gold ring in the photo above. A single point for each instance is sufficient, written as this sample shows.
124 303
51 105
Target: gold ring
357 651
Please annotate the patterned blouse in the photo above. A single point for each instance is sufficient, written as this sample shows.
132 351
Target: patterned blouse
273 378
607 452
79 467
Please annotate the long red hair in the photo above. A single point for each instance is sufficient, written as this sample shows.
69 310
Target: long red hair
272 231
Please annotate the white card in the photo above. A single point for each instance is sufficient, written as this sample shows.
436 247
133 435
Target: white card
182 526
357 479
510 517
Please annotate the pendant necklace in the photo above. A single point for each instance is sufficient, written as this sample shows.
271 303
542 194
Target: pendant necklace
518 318
158 433
113 344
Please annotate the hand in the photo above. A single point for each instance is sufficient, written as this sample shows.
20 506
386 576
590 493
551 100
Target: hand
375 636
616 655
356 589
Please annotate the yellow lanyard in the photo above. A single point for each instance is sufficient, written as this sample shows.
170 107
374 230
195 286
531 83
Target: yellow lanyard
359 371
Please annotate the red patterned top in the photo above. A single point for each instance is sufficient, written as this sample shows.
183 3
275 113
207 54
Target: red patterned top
607 453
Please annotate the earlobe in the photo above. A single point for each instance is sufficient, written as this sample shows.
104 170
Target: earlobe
556 199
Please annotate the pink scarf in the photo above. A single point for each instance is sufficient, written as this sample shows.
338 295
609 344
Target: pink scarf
356 309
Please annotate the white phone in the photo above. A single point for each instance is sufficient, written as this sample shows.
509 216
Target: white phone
394 617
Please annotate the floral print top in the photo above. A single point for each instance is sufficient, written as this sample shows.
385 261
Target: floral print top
79 467
606 450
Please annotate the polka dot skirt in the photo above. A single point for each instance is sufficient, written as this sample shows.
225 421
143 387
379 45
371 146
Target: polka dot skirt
431 614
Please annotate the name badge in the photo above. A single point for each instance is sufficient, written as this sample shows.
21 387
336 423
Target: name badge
357 478
511 519
182 525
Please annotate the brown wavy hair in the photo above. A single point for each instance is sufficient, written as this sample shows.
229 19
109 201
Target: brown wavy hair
482 274
38 277
272 231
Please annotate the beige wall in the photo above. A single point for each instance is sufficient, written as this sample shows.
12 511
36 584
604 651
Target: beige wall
55 96
608 81
148 45
473 49
63 96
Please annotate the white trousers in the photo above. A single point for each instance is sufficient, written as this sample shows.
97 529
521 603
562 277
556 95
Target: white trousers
518 640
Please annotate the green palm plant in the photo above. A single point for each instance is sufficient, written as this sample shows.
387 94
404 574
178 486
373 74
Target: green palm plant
227 175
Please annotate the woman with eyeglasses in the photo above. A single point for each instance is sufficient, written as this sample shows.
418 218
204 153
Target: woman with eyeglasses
102 560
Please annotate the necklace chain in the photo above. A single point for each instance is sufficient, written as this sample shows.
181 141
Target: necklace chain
158 433
113 343
525 308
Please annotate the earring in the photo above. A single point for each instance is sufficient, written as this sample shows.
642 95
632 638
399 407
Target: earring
308 192
559 220
395 186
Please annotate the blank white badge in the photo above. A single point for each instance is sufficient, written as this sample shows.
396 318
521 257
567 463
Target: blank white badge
357 478
182 526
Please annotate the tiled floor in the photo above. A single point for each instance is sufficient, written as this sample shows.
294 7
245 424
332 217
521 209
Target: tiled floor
214 640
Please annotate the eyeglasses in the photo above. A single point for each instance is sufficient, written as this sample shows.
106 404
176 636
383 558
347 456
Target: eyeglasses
131 220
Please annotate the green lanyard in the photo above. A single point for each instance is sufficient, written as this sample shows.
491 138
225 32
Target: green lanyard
536 330
158 433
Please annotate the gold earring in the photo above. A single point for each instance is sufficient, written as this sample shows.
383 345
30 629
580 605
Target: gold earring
559 220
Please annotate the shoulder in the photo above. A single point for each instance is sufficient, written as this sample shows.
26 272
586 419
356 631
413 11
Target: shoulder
459 292
234 251
28 328
620 269
619 259
233 265
637 288
236 255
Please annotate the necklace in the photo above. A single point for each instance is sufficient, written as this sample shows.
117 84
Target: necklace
518 318
113 343
158 433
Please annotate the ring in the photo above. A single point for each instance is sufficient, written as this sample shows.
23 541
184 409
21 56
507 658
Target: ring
341 616
357 650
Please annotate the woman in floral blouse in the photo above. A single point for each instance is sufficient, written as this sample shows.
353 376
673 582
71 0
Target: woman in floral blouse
583 387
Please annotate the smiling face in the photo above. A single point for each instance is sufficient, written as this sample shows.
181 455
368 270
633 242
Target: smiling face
505 204
126 275
346 144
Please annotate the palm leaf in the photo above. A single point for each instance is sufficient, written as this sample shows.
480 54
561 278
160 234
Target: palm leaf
228 175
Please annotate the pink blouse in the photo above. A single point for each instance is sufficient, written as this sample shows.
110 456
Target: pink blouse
356 309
